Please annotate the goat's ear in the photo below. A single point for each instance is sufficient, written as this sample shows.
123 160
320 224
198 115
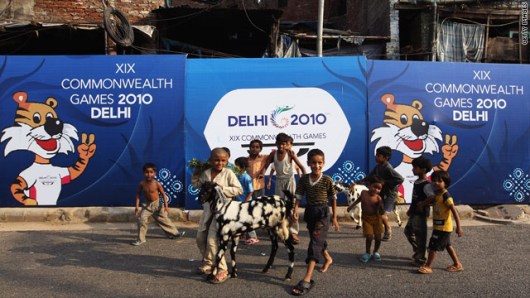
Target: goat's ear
288 193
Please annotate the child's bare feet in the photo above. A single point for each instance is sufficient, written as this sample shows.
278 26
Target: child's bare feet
327 263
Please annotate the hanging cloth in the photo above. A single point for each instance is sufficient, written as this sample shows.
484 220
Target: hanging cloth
458 42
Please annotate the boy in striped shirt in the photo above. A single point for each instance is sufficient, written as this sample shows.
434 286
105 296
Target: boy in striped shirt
318 190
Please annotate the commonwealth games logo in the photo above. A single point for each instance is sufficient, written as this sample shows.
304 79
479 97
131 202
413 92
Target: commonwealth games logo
279 121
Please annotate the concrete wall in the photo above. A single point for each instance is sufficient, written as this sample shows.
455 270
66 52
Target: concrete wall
392 47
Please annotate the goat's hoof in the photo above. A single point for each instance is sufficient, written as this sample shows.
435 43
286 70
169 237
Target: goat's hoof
289 274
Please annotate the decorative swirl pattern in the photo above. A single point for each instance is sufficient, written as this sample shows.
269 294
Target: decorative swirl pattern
172 186
348 173
282 122
193 191
518 185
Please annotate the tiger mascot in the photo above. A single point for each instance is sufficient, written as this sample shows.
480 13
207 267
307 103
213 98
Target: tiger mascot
406 131
38 129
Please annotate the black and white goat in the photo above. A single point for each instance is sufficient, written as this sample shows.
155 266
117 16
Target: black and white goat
235 218
354 194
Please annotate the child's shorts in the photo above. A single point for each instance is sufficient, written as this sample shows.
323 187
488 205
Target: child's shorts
317 219
440 240
372 225
389 202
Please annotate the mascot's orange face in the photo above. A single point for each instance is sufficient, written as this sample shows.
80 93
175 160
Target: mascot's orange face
405 130
38 129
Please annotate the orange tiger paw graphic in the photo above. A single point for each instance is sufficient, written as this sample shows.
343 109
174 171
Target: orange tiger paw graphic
450 148
449 151
87 148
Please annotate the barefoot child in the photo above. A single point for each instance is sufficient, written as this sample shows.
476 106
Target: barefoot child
373 208
442 223
318 190
207 237
256 161
391 181
284 160
152 190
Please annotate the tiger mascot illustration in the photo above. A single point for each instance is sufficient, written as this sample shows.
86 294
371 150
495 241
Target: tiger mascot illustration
406 131
38 129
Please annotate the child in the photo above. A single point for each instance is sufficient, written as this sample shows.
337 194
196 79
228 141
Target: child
152 190
392 180
318 190
290 147
416 228
373 209
228 164
207 238
297 169
443 207
283 163
256 162
241 164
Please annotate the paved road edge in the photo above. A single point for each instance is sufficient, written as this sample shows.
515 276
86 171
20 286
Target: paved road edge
126 214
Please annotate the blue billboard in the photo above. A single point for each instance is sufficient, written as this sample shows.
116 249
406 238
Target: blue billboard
319 102
470 119
76 130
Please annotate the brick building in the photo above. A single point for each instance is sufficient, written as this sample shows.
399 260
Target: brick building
63 26
382 29
77 27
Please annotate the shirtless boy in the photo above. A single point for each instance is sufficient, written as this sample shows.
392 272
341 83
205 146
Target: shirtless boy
373 209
